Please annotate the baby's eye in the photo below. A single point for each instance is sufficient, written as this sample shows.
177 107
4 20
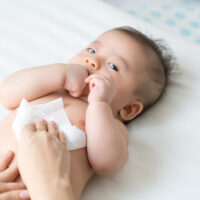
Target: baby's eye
114 67
91 51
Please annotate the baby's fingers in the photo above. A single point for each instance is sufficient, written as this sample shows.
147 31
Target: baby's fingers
93 76
75 94
102 77
87 80
93 83
78 90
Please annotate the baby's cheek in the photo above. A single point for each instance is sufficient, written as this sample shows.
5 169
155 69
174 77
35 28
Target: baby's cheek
77 59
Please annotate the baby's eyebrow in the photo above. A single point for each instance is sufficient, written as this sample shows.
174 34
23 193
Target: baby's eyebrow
124 61
97 42
120 57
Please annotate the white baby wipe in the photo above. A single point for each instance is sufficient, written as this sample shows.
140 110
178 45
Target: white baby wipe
51 111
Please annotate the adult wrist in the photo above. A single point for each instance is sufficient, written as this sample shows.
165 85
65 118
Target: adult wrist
60 192
55 190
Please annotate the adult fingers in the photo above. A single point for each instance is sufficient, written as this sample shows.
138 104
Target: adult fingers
41 125
28 129
9 174
63 138
6 160
15 195
5 187
52 129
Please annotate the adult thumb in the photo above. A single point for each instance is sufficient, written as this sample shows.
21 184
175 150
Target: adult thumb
15 195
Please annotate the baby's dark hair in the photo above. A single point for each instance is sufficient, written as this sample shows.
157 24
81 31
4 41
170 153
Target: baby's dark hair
161 64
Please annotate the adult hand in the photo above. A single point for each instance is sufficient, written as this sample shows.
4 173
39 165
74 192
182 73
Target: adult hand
44 161
8 189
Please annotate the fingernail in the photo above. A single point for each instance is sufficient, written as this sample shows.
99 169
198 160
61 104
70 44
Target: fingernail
62 133
42 120
24 195
52 123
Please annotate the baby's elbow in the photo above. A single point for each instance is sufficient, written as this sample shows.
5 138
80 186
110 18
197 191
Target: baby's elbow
5 104
4 100
105 170
112 166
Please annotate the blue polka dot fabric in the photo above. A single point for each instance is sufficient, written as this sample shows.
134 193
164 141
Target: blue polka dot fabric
180 17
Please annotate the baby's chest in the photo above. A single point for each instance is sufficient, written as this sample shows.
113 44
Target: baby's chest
76 112
74 107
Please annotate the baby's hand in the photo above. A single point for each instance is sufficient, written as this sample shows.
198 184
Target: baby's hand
75 76
101 88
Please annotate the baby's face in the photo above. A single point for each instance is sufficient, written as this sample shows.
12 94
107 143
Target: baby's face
118 55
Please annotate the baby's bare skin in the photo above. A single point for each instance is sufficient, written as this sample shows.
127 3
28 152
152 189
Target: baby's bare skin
80 167
99 114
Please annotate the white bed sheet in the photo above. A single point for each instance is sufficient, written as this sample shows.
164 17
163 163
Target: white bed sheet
165 142
179 17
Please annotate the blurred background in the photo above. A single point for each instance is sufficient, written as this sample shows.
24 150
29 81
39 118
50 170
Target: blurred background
179 17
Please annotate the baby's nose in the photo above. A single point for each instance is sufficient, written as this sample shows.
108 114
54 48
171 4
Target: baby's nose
92 62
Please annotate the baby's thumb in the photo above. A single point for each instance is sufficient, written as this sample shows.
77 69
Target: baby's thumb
74 94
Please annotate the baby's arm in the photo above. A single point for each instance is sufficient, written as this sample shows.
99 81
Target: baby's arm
107 138
35 82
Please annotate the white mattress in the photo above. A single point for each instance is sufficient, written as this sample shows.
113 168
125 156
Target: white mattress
165 142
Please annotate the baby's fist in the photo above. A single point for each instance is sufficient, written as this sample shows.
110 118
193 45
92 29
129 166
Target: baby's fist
101 88
75 83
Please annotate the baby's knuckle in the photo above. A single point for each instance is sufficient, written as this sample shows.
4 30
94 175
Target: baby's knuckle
43 135
101 82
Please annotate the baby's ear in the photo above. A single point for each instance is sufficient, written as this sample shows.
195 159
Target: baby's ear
130 111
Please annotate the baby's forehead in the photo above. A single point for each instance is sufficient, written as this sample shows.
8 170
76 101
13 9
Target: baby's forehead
122 44
118 40
110 35
114 34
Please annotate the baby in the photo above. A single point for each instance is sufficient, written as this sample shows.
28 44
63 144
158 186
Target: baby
110 82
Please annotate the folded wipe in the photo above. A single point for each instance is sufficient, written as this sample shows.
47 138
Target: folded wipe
51 111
